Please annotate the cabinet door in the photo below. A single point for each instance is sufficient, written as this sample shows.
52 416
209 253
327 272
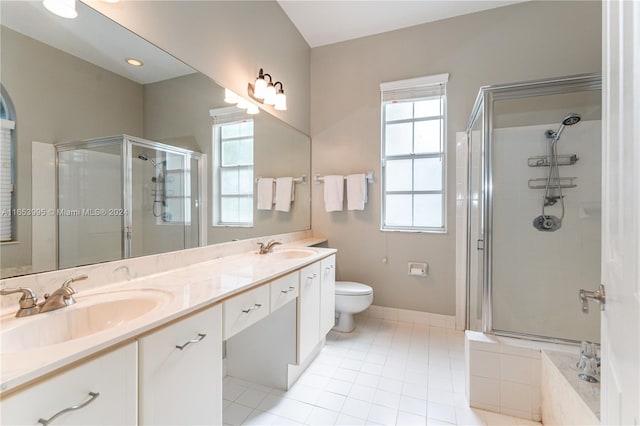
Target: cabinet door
327 295
308 311
104 389
183 386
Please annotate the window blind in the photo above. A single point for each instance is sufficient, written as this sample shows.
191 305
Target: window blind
228 115
414 88
6 179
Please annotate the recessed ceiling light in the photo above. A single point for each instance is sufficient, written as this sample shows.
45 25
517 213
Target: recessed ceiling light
134 62
62 8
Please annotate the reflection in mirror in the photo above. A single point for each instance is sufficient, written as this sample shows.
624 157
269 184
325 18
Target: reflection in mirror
67 82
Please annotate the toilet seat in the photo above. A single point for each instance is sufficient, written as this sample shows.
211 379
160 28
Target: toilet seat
350 288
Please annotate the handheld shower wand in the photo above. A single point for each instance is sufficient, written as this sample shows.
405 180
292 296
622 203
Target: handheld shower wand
547 222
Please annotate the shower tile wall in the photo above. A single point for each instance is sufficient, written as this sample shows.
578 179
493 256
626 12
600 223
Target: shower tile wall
537 275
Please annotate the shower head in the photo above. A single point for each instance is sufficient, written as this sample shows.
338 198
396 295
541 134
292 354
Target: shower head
144 157
571 119
568 120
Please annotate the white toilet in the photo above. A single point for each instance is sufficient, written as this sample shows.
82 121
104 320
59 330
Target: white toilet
351 298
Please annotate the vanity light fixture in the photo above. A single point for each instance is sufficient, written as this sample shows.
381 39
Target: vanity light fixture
231 98
62 8
267 93
134 62
280 99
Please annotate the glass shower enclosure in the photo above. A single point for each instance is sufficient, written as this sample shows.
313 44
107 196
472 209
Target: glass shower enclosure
533 218
122 196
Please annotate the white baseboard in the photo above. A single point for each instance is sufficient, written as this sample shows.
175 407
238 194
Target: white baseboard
406 315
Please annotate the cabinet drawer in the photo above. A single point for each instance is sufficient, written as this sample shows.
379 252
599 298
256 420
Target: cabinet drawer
245 309
111 379
284 290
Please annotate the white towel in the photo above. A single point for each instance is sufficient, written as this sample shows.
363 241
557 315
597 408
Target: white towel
265 193
333 193
284 193
356 191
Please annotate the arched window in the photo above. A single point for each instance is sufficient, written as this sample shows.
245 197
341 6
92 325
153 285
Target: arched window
7 166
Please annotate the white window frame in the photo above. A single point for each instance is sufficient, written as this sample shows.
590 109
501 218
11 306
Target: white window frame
221 117
8 124
412 90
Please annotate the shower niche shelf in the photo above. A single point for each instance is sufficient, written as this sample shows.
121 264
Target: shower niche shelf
541 183
545 160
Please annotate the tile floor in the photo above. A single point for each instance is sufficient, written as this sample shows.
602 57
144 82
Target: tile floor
385 372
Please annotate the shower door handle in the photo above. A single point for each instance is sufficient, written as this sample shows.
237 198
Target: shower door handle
480 245
597 296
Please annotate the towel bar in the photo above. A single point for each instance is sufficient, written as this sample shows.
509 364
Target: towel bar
302 179
319 179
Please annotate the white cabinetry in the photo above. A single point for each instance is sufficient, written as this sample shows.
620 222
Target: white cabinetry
284 290
245 309
308 311
181 372
103 390
327 295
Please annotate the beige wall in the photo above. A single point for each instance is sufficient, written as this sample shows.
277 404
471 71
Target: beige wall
227 40
177 112
527 41
56 97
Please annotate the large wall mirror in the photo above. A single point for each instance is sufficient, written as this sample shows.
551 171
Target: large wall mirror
103 160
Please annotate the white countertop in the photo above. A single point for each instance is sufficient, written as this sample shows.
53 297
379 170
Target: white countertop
182 290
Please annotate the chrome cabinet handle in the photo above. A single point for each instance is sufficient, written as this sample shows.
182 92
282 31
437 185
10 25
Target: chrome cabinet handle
310 277
196 340
253 308
93 396
328 268
287 291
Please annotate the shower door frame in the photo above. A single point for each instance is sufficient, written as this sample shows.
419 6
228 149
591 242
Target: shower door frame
483 105
126 171
128 141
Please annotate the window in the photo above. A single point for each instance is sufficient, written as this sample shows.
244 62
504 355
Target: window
413 154
7 159
233 177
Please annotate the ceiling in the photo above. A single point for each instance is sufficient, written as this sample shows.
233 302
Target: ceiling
324 22
93 38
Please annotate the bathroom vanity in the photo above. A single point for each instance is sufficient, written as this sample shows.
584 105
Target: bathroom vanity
150 350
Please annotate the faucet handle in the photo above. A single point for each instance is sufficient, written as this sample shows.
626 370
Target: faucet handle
72 280
28 299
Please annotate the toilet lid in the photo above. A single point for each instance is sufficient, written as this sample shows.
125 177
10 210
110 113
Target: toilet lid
349 288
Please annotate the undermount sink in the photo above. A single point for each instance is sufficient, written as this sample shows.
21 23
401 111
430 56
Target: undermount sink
89 315
297 253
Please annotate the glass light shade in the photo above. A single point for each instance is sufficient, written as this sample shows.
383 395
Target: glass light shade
252 109
270 95
62 8
259 88
281 101
243 103
230 97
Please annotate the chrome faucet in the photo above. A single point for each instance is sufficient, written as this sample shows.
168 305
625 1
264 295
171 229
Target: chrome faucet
267 248
28 302
62 297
